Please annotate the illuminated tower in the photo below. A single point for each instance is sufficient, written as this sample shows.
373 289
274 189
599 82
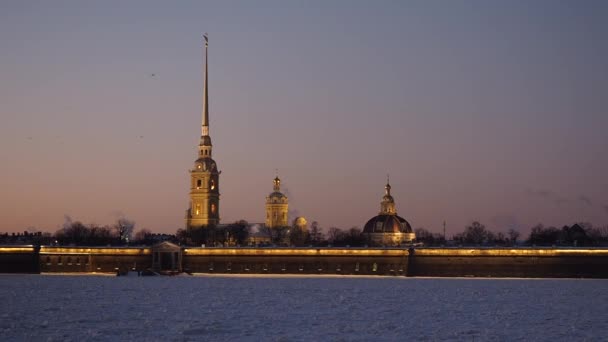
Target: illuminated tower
276 206
387 206
204 178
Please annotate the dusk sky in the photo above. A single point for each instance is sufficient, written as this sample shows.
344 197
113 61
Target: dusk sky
494 111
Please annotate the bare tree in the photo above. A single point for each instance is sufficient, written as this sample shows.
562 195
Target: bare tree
76 233
73 233
539 235
315 235
475 234
124 229
513 236
428 238
277 235
237 233
297 236
334 234
142 236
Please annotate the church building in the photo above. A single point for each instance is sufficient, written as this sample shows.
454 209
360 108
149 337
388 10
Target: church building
276 206
204 207
387 228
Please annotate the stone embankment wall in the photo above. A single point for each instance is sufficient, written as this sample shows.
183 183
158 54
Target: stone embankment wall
514 262
93 259
19 259
297 261
422 262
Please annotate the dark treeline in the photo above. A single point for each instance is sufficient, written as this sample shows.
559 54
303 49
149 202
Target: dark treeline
581 234
77 233
476 234
240 233
315 236
234 234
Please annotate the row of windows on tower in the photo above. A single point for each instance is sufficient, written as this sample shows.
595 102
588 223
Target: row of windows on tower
205 153
276 216
199 184
198 211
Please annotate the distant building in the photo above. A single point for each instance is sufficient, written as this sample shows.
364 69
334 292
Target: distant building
258 235
277 206
301 223
204 178
387 228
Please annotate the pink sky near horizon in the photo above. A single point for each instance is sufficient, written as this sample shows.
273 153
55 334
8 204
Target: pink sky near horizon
489 111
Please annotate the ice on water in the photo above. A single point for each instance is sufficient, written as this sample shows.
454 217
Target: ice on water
76 308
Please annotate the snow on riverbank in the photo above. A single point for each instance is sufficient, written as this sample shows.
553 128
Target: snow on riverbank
101 308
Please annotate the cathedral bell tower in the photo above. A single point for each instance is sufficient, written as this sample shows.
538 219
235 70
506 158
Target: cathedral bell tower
204 178
277 206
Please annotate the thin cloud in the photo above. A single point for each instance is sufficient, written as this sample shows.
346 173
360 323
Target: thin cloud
548 195
552 196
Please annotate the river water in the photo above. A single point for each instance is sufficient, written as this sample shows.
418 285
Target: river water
237 308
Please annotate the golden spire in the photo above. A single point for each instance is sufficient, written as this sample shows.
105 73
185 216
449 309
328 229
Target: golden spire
205 126
387 187
276 182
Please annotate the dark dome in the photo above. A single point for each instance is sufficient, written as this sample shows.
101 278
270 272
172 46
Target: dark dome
276 194
276 197
387 224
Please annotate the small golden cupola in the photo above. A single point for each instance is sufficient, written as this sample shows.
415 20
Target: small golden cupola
387 206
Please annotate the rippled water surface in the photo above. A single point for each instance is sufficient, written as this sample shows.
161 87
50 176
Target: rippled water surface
61 308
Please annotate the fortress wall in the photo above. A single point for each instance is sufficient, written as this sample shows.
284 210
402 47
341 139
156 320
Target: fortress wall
295 265
524 262
93 259
295 261
423 262
18 259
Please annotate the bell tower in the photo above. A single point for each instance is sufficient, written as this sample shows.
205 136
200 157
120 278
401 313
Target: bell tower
204 178
277 206
387 206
